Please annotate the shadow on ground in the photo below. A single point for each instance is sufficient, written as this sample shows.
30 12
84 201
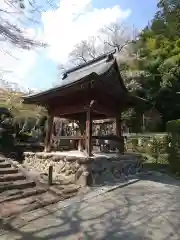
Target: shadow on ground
144 210
148 209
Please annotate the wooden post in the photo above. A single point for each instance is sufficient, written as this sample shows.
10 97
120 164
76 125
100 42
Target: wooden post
50 175
118 126
82 126
119 134
80 145
89 132
48 137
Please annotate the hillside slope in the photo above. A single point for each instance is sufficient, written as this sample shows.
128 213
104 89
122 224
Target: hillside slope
13 101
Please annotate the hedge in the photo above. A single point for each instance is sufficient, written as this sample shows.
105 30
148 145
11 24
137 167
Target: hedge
173 130
154 145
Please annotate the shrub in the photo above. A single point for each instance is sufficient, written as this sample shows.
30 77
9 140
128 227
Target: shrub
6 134
153 144
24 136
29 124
173 129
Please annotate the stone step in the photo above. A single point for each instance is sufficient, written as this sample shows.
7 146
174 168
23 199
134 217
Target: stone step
2 160
8 170
19 184
61 190
31 203
19 194
43 200
12 177
127 158
5 165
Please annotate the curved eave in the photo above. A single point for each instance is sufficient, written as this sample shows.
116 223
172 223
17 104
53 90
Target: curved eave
138 101
73 82
39 97
121 81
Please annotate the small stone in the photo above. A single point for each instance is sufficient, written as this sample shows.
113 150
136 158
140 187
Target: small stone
84 160
78 174
68 167
65 181
70 189
69 172
57 158
158 174
82 180
63 169
71 159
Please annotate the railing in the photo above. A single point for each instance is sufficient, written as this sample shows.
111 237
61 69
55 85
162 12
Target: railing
109 141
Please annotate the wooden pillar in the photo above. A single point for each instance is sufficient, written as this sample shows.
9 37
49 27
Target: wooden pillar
118 126
49 131
119 134
50 175
89 132
82 126
80 145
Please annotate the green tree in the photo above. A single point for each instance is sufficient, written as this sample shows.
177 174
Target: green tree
158 48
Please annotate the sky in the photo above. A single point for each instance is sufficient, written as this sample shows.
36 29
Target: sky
62 28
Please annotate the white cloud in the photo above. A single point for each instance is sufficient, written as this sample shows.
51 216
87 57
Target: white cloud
15 63
73 21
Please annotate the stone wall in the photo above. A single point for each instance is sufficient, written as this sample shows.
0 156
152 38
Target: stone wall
83 171
64 167
107 169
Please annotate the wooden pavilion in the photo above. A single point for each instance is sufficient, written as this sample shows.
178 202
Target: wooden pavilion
94 90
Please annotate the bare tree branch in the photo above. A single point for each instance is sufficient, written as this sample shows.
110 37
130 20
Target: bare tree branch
34 7
15 17
19 9
15 36
85 51
4 11
8 53
79 54
51 4
114 36
13 33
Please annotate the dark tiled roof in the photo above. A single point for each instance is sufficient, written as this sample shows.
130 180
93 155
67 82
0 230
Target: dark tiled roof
97 66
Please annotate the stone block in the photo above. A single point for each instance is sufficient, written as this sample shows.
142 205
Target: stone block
84 160
71 158
57 158
83 179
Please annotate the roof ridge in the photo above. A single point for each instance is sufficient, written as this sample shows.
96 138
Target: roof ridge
101 57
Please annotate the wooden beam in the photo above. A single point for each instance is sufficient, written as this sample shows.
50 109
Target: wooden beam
68 110
48 138
49 96
70 137
107 99
69 100
100 108
102 95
